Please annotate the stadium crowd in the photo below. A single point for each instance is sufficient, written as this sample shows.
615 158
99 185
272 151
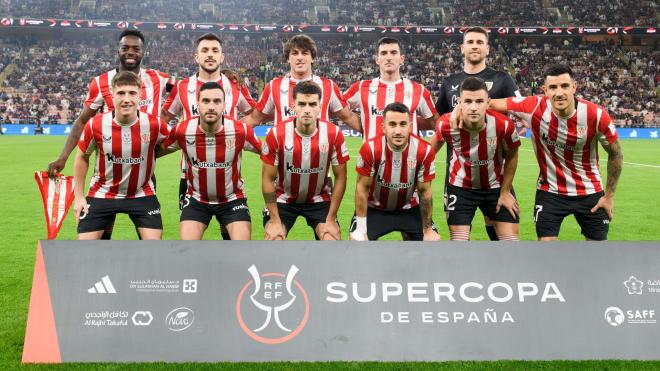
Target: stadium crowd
379 12
623 79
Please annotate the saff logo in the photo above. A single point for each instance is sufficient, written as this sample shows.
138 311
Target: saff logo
272 308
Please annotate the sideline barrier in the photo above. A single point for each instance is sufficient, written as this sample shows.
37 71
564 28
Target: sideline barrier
174 301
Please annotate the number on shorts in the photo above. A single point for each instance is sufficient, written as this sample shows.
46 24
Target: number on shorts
451 202
536 214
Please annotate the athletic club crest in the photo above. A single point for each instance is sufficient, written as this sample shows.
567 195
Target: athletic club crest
491 141
581 130
145 137
230 143
324 147
412 163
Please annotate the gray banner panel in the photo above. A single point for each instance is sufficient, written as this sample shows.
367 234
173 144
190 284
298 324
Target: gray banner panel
386 301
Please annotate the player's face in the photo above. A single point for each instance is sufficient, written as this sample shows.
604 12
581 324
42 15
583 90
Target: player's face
307 108
211 105
389 58
131 52
209 55
396 127
475 47
300 61
474 105
561 91
126 99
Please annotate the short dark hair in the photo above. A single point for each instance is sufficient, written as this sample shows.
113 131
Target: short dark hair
473 84
123 78
558 69
302 42
210 86
388 40
208 36
476 29
396 107
307 88
136 33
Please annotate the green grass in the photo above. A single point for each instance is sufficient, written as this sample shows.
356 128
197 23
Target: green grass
636 217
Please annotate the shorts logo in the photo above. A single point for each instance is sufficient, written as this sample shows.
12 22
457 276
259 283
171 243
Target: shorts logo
281 297
153 212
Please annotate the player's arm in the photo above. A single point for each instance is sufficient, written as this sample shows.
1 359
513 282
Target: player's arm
166 115
361 199
274 229
71 140
426 209
614 166
80 168
349 118
506 199
256 117
427 123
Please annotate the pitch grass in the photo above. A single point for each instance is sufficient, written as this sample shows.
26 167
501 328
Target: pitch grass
636 218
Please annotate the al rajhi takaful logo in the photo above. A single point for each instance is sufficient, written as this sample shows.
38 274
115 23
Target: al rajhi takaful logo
272 308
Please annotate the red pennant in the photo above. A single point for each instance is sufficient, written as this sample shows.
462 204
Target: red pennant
57 195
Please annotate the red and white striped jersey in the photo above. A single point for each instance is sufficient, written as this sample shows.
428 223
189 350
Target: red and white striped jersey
154 85
395 173
125 155
183 98
477 161
277 98
371 97
214 160
303 162
566 148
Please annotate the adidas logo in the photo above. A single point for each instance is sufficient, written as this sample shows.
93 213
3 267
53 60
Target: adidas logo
104 286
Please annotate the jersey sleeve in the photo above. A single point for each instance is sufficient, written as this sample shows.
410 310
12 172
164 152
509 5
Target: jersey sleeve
426 170
269 149
337 101
510 89
440 125
524 106
606 132
245 102
425 107
172 142
94 99
441 105
266 103
163 130
173 104
511 138
252 142
340 151
352 95
86 143
365 161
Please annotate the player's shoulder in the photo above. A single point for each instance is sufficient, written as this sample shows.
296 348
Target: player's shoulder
421 143
589 104
500 118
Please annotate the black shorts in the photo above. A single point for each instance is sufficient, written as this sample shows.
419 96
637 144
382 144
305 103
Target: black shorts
143 211
381 222
462 203
226 213
550 210
314 213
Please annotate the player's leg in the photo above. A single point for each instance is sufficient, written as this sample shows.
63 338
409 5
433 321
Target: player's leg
490 229
504 224
288 215
316 215
100 215
224 233
145 214
235 217
549 212
595 226
107 233
195 218
461 206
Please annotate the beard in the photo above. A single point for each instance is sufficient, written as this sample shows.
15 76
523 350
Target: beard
210 70
130 67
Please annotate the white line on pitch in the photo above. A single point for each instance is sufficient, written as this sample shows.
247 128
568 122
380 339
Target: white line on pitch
604 160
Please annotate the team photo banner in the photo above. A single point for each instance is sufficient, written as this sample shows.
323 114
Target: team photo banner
314 29
208 301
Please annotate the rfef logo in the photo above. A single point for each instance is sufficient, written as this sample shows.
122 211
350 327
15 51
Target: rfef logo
276 310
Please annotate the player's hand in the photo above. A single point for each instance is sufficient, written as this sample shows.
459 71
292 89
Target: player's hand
355 236
55 167
80 208
455 119
274 231
431 235
507 201
234 77
607 203
330 227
